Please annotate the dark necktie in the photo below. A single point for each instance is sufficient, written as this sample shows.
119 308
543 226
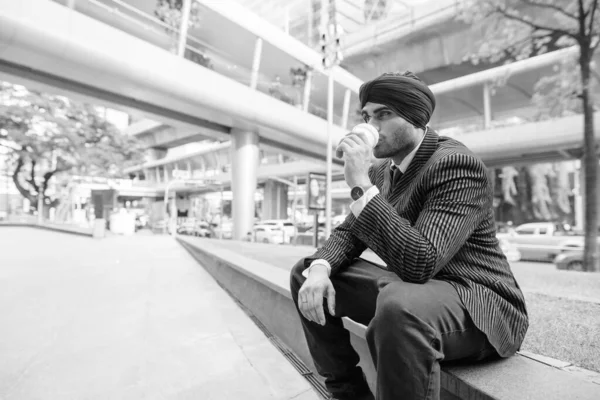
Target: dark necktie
396 175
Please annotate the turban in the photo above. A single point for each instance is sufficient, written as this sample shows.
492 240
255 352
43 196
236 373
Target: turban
405 94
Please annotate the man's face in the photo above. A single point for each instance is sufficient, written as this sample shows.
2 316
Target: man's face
396 135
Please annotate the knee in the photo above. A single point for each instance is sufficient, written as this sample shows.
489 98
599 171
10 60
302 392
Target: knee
296 278
397 312
392 306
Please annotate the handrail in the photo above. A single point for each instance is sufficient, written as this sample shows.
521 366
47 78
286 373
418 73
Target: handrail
143 14
116 11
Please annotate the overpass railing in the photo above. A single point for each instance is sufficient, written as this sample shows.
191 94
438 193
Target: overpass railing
299 88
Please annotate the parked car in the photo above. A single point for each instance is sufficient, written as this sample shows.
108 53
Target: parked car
542 241
203 229
570 260
268 234
223 231
285 225
186 226
511 251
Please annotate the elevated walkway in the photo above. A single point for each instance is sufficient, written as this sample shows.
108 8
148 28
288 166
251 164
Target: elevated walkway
108 319
49 46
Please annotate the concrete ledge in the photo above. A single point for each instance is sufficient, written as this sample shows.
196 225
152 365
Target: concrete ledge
74 230
263 289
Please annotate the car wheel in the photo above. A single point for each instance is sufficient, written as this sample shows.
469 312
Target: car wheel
575 266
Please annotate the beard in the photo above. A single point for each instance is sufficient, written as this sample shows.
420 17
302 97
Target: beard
401 142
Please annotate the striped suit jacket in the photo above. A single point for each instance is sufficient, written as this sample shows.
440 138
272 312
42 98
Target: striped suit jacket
437 222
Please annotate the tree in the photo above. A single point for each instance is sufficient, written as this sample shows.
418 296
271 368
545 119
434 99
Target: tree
517 29
49 135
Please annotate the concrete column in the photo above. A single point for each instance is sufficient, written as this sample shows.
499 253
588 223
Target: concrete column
275 200
244 167
487 107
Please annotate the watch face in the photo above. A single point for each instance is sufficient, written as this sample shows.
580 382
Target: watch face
356 193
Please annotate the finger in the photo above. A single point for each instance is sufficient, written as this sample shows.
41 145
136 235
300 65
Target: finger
352 140
311 308
344 148
302 304
330 294
318 309
359 138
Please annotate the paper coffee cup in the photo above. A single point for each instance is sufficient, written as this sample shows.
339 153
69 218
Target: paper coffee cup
370 132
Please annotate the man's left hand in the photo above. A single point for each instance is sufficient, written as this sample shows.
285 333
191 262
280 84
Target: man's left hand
357 159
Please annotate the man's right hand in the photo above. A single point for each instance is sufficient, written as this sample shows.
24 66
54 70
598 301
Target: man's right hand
311 294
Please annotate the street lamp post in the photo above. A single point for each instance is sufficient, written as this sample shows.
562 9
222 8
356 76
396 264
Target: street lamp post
331 52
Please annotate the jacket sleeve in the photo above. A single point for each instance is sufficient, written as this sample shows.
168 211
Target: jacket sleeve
457 198
343 245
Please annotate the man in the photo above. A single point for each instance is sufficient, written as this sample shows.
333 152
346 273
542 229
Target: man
425 208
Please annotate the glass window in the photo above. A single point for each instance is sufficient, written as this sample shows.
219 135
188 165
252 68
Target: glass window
526 231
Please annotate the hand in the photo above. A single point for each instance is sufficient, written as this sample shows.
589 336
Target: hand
357 159
311 294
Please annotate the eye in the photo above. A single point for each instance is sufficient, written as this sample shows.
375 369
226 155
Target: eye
366 118
383 114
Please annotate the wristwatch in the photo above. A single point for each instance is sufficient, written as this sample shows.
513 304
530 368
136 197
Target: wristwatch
356 193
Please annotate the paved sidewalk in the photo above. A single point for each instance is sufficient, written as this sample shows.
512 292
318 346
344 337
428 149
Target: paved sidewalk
126 318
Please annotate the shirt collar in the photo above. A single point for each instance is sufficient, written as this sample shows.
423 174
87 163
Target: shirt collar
403 166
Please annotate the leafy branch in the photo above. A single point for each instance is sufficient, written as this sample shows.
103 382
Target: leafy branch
534 25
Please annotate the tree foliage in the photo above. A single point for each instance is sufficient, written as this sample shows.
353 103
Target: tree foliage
517 29
49 135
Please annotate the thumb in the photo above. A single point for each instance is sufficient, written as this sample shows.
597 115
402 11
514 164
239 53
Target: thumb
331 298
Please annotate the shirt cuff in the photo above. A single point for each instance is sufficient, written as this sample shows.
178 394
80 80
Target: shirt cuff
357 206
320 261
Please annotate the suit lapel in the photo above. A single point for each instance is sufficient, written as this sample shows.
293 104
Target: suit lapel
422 155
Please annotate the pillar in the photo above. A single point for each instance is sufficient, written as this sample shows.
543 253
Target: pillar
275 200
244 167
487 106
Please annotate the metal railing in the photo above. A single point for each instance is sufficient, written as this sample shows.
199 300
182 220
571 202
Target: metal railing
196 49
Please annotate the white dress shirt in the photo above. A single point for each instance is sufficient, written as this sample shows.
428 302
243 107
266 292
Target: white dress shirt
357 206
